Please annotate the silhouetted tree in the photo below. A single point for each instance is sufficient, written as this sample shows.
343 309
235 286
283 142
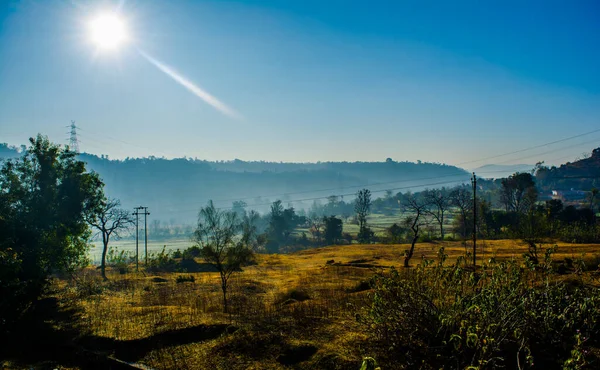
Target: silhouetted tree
416 206
333 229
462 198
518 192
109 220
439 203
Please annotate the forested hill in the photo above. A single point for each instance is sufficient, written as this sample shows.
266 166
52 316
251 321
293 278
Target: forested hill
583 174
175 189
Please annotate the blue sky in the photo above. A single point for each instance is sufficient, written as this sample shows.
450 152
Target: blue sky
441 81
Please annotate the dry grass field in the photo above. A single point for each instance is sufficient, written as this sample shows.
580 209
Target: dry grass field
287 311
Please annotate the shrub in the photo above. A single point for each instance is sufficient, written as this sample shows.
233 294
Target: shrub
292 295
119 259
185 279
191 252
503 316
161 262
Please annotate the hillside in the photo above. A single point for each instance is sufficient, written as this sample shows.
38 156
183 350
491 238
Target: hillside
175 189
583 174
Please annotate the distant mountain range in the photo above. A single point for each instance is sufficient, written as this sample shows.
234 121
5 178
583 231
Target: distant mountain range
175 189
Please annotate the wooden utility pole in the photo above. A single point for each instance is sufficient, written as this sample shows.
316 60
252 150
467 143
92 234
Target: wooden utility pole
136 214
474 181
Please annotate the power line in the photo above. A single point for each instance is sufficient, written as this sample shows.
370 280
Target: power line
555 150
530 148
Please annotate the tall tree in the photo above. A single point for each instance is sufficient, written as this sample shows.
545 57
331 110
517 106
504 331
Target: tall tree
109 220
362 207
44 197
439 203
224 243
518 192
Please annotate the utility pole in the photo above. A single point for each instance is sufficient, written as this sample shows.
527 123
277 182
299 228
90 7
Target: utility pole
474 181
136 214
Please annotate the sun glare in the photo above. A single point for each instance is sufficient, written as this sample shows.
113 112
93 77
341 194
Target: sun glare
108 31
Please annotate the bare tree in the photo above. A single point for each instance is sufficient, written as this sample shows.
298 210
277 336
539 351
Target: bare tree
462 198
417 207
224 242
362 206
439 203
109 220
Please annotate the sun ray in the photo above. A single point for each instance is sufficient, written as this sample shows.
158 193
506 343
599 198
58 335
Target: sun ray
199 92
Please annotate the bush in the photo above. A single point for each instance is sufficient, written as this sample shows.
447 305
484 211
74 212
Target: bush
494 318
161 262
292 295
191 253
119 260
185 279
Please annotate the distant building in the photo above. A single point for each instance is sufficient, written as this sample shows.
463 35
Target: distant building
568 195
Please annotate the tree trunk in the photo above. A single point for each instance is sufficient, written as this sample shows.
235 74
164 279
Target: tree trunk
415 229
442 227
105 239
224 289
103 262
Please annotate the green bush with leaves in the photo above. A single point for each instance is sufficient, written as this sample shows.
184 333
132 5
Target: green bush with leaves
119 259
502 316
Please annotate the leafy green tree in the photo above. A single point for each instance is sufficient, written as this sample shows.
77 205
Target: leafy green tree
225 243
44 199
518 192
395 233
333 229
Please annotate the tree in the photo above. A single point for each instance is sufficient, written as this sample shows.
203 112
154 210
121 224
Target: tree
439 203
316 228
417 207
44 198
592 196
239 207
333 229
462 198
518 192
109 220
362 206
395 233
224 243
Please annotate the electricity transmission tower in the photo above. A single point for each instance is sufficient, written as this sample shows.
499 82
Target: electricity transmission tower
73 141
137 213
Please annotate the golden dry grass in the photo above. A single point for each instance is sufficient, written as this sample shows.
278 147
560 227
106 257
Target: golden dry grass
268 322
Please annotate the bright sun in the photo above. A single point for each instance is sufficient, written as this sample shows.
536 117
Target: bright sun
108 31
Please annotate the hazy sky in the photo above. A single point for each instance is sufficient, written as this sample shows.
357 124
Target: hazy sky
442 81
